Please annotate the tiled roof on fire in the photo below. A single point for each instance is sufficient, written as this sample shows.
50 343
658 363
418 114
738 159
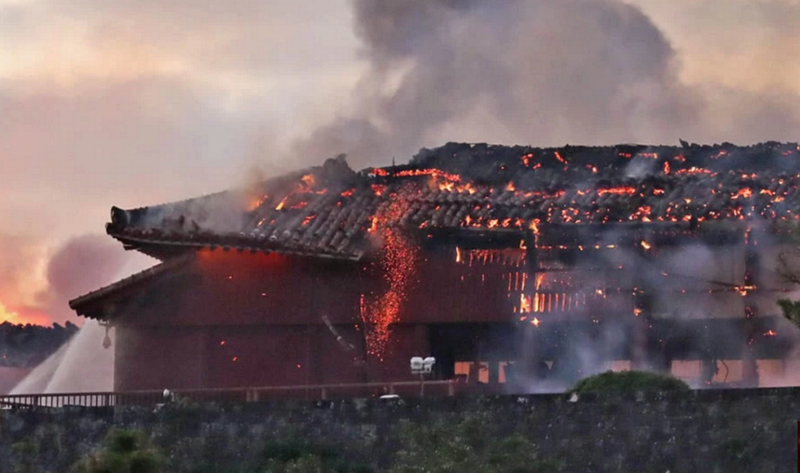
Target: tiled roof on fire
331 210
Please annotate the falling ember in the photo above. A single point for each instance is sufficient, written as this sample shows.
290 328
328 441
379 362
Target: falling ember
535 322
744 290
769 333
645 245
637 312
458 255
397 261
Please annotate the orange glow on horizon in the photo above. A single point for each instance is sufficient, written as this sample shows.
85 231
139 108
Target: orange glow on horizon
24 316
6 315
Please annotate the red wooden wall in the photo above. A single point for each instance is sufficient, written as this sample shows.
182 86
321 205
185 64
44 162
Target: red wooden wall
257 320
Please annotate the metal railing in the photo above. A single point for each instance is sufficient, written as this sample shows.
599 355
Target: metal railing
267 393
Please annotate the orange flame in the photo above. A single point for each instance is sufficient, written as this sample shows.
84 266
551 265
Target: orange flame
308 180
617 190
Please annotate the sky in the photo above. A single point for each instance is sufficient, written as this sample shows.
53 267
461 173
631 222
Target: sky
140 102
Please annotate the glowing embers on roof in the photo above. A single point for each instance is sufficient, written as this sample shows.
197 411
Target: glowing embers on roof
426 172
396 262
295 197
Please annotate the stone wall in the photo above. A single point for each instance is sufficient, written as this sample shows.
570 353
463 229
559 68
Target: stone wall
709 431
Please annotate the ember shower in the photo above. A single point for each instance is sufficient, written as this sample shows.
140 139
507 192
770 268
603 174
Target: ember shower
513 266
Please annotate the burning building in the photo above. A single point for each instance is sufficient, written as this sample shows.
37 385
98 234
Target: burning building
509 265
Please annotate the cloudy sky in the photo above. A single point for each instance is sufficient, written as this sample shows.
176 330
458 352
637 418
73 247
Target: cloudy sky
137 102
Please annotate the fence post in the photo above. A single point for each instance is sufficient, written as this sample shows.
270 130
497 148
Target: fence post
451 388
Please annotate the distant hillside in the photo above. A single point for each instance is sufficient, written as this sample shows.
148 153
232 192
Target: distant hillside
25 346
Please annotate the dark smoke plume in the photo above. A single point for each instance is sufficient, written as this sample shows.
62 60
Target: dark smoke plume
526 71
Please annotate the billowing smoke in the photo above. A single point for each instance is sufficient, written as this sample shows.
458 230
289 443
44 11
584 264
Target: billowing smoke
528 71
83 264
80 265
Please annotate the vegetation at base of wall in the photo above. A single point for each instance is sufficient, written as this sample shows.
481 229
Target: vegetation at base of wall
628 381
471 444
123 451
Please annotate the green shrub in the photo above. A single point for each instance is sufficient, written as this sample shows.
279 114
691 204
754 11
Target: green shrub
628 381
123 451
